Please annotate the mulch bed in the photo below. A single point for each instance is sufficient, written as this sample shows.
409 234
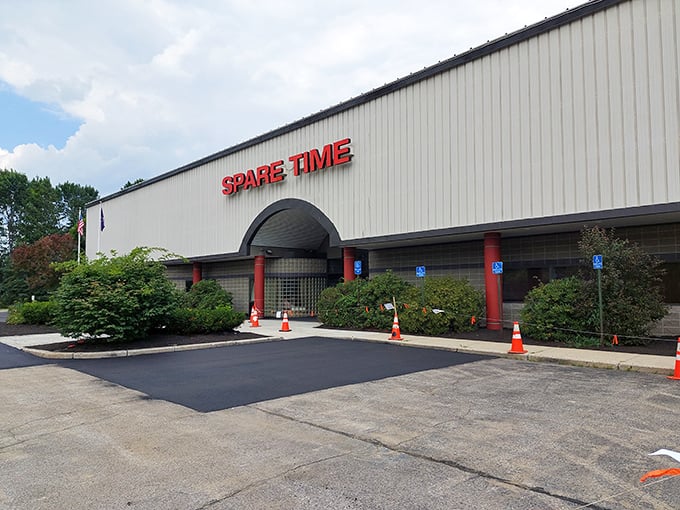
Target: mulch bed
661 347
156 340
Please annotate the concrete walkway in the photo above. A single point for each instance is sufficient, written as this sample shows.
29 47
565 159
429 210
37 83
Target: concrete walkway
269 329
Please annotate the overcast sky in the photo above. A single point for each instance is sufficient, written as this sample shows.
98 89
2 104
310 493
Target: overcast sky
101 92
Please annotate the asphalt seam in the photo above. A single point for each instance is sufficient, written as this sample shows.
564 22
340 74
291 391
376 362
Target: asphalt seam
445 462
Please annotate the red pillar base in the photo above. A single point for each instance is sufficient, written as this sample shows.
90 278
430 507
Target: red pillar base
494 299
348 263
258 286
197 273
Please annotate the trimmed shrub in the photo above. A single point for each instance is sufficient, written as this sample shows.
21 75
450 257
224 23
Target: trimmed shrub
339 307
34 312
557 311
459 300
357 304
197 321
122 298
206 294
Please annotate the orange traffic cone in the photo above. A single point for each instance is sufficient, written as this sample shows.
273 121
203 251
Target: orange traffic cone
676 374
254 319
516 347
284 325
396 332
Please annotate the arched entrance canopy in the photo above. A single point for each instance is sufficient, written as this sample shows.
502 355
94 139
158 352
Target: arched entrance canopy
290 223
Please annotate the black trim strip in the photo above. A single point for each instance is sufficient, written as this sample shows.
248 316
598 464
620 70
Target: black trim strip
565 219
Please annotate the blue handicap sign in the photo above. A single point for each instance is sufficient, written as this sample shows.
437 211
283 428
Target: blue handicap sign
497 267
420 271
357 267
597 261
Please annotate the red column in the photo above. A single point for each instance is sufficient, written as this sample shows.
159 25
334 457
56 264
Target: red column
259 284
494 299
197 272
348 263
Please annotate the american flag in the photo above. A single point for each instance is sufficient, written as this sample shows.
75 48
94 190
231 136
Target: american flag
81 224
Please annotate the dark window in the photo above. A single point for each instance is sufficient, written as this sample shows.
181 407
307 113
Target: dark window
671 282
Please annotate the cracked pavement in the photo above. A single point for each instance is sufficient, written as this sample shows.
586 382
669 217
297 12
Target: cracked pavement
491 434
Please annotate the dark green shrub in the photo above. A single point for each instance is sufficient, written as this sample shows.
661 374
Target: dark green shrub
197 321
207 294
358 304
379 290
632 295
339 306
122 298
459 300
632 292
557 311
34 312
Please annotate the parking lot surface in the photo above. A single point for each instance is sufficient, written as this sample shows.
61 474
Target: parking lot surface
214 379
489 434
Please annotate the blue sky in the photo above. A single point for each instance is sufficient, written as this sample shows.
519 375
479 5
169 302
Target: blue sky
26 121
115 90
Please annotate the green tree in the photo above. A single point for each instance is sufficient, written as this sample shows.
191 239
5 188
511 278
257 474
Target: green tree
13 197
41 212
72 198
129 184
118 297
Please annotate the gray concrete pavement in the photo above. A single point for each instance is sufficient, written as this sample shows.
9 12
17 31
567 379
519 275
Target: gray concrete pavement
492 434
270 329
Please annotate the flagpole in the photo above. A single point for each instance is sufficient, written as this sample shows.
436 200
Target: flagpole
79 236
99 231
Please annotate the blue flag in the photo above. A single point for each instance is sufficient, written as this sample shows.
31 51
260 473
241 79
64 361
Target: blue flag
101 219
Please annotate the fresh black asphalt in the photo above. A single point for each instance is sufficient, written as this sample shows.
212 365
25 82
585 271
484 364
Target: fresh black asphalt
222 378
14 358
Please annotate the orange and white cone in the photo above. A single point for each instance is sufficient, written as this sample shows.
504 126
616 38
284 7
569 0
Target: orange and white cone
254 319
284 325
516 347
676 373
396 332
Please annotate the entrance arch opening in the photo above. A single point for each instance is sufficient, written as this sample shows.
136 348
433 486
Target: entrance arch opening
301 253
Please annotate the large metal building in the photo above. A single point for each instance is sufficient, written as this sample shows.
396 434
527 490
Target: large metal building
502 153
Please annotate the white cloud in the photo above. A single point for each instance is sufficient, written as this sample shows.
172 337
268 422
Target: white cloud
158 84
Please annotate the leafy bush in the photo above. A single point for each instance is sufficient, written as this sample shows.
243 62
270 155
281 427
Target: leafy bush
207 294
459 300
123 298
631 295
339 306
379 290
35 312
631 281
359 304
556 310
193 321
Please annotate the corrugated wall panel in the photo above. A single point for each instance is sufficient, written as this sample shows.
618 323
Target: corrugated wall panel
582 118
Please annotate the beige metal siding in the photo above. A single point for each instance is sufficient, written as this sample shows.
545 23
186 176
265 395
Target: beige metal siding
582 118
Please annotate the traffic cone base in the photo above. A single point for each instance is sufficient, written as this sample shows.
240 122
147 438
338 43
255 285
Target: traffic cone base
254 319
516 347
285 327
396 331
676 373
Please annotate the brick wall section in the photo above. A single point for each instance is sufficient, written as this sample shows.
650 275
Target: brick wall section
460 260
